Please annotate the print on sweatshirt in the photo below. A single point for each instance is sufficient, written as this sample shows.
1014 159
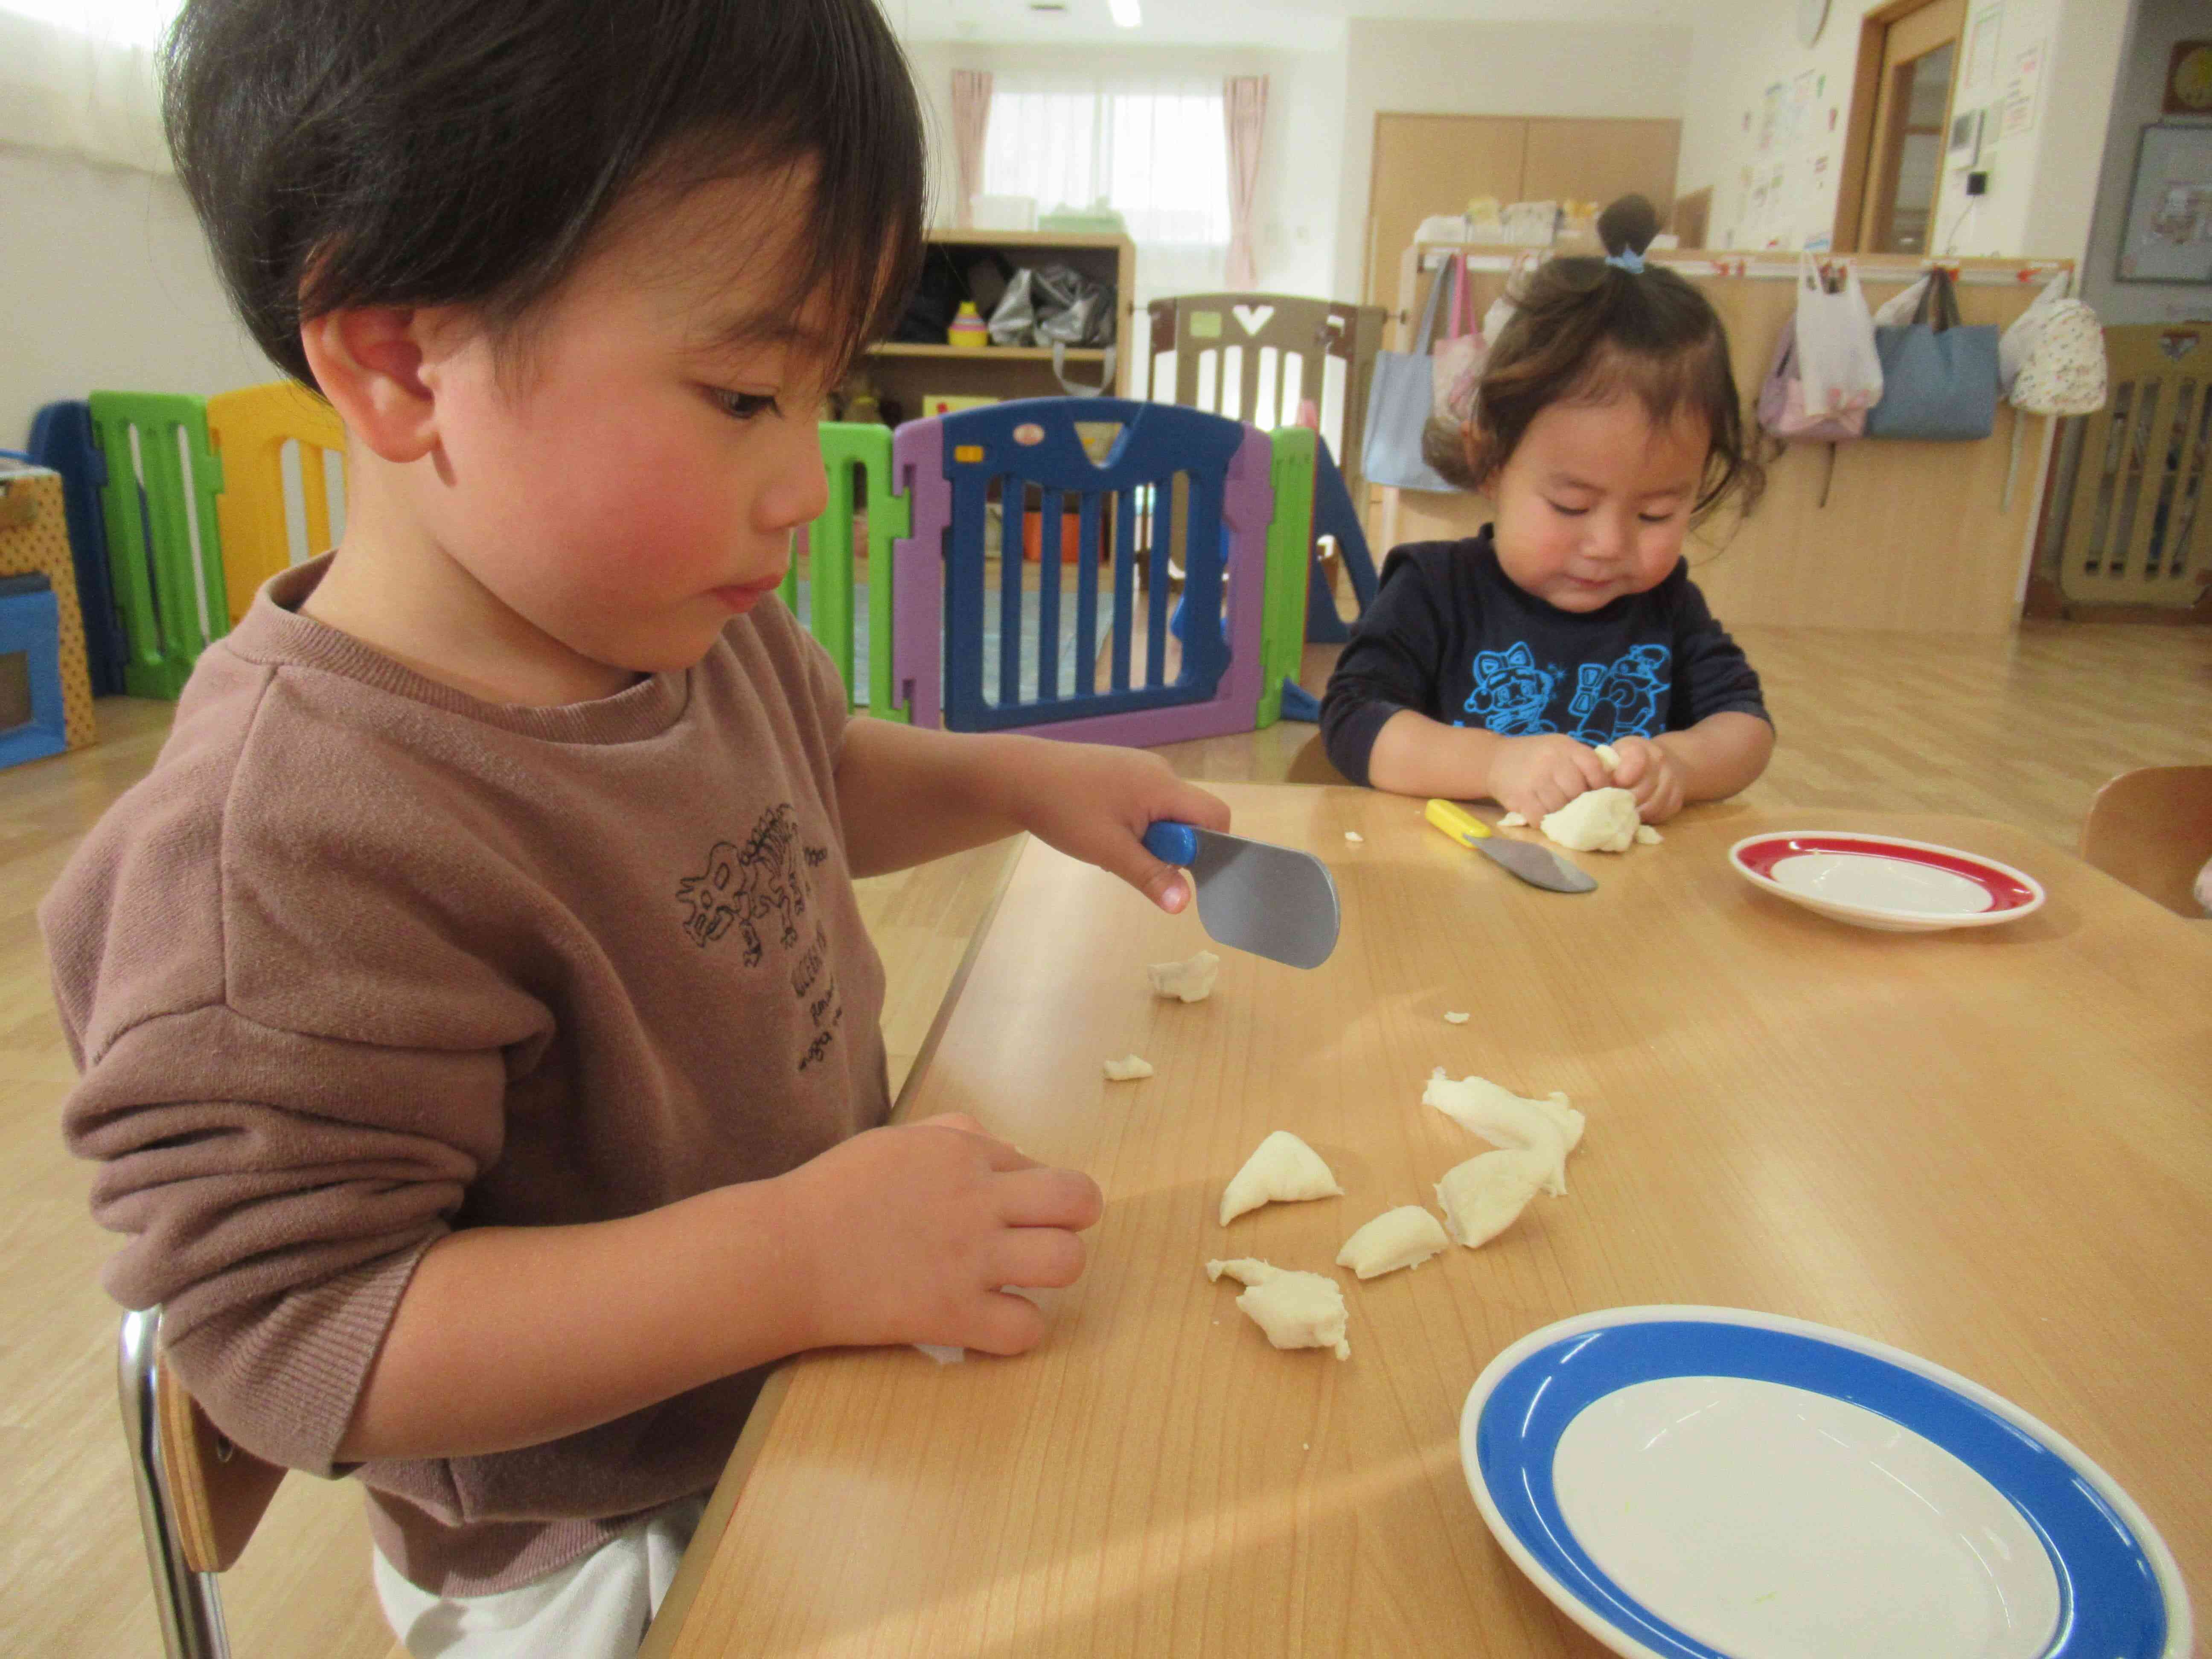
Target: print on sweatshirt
1513 694
763 888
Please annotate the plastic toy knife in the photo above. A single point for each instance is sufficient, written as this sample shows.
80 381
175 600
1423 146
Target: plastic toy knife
1252 895
1539 866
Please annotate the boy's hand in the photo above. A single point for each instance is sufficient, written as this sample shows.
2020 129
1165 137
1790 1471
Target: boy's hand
1655 777
908 1234
1095 803
1535 775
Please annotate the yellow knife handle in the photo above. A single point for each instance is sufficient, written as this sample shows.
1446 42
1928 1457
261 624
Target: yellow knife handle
1455 821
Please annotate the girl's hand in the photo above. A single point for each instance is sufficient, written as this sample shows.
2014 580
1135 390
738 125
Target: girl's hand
1095 803
912 1233
1535 775
1655 777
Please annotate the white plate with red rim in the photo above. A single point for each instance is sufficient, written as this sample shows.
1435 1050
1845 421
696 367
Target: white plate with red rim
1885 882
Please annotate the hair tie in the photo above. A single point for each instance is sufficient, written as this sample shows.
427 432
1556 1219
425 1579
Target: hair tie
1627 259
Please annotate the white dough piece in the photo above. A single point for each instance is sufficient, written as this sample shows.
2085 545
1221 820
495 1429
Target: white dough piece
1355 837
1549 1128
1284 1170
1647 836
1456 1019
942 1353
1295 1310
1191 981
1129 1069
1403 1238
1512 821
1609 758
1597 821
1483 1196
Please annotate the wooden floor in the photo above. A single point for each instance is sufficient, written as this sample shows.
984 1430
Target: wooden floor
2021 730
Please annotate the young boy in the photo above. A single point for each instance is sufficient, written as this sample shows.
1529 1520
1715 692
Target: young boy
478 1029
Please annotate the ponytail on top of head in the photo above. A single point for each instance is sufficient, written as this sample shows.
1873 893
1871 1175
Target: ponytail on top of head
1591 330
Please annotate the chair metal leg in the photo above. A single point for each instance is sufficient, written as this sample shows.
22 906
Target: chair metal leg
190 1606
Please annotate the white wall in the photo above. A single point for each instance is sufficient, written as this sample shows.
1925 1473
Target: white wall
1625 71
108 285
2041 190
2157 25
1294 213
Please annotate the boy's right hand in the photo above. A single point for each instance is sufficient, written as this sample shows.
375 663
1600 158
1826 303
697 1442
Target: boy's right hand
911 1231
1535 775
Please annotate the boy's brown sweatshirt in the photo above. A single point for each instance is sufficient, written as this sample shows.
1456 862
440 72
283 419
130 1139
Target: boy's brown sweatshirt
363 960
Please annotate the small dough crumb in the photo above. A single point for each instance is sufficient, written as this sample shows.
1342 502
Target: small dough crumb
1456 1019
941 1353
1403 1238
1483 1196
1191 982
1355 837
1129 1069
1550 1127
1284 1170
1295 1310
1513 821
1609 758
1597 821
1647 836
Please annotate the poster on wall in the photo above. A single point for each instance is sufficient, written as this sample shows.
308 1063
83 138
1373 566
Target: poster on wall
2167 236
2023 92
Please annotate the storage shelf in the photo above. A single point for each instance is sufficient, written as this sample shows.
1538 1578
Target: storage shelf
988 354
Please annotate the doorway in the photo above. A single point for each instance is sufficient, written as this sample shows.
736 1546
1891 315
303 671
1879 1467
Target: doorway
1900 116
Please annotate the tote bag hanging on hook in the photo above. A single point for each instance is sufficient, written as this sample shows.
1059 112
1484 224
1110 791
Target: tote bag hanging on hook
1403 395
1938 375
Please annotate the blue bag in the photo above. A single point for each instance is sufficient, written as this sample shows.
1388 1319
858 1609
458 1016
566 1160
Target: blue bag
1939 377
1398 406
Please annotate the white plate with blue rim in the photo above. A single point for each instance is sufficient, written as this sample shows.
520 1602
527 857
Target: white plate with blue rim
1710 1483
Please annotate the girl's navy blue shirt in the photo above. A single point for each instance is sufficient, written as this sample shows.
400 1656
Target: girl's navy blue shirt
1450 636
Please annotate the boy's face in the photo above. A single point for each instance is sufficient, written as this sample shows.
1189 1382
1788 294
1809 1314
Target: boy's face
632 482
1595 501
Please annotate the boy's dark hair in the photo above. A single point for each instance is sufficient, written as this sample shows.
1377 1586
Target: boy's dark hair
1586 331
462 152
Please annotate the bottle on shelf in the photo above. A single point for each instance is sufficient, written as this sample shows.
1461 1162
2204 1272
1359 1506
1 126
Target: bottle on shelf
968 331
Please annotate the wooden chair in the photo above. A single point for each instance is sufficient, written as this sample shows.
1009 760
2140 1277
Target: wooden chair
2152 829
199 1497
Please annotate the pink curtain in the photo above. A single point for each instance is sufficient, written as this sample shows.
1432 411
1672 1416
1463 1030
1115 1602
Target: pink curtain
1244 112
971 120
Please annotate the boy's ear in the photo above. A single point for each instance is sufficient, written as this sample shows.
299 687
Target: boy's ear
369 362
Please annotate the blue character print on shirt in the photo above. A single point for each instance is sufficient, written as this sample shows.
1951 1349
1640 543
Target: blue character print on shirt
1621 699
1511 692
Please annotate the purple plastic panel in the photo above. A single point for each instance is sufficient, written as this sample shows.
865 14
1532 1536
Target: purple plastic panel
1247 507
918 571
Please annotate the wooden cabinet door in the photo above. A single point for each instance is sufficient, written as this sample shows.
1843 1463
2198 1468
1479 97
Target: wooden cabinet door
1596 161
1426 164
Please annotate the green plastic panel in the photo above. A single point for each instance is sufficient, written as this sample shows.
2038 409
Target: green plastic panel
1290 551
161 596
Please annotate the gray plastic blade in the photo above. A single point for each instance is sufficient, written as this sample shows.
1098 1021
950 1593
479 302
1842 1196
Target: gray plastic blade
1271 901
1539 866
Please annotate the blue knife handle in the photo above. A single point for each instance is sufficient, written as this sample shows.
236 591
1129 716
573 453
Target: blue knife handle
1172 843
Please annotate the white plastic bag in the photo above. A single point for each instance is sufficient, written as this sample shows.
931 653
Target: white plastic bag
1897 312
1835 358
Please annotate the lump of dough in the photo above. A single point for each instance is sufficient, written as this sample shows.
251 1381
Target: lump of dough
1483 1196
1513 821
1597 821
1609 758
1295 1310
1647 836
1129 1069
1403 1238
1191 981
1456 1019
1355 837
1284 1170
1548 1128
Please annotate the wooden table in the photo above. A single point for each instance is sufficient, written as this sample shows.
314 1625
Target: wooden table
1992 1147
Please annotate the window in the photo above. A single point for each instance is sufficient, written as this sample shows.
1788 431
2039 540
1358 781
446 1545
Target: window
123 23
1154 150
